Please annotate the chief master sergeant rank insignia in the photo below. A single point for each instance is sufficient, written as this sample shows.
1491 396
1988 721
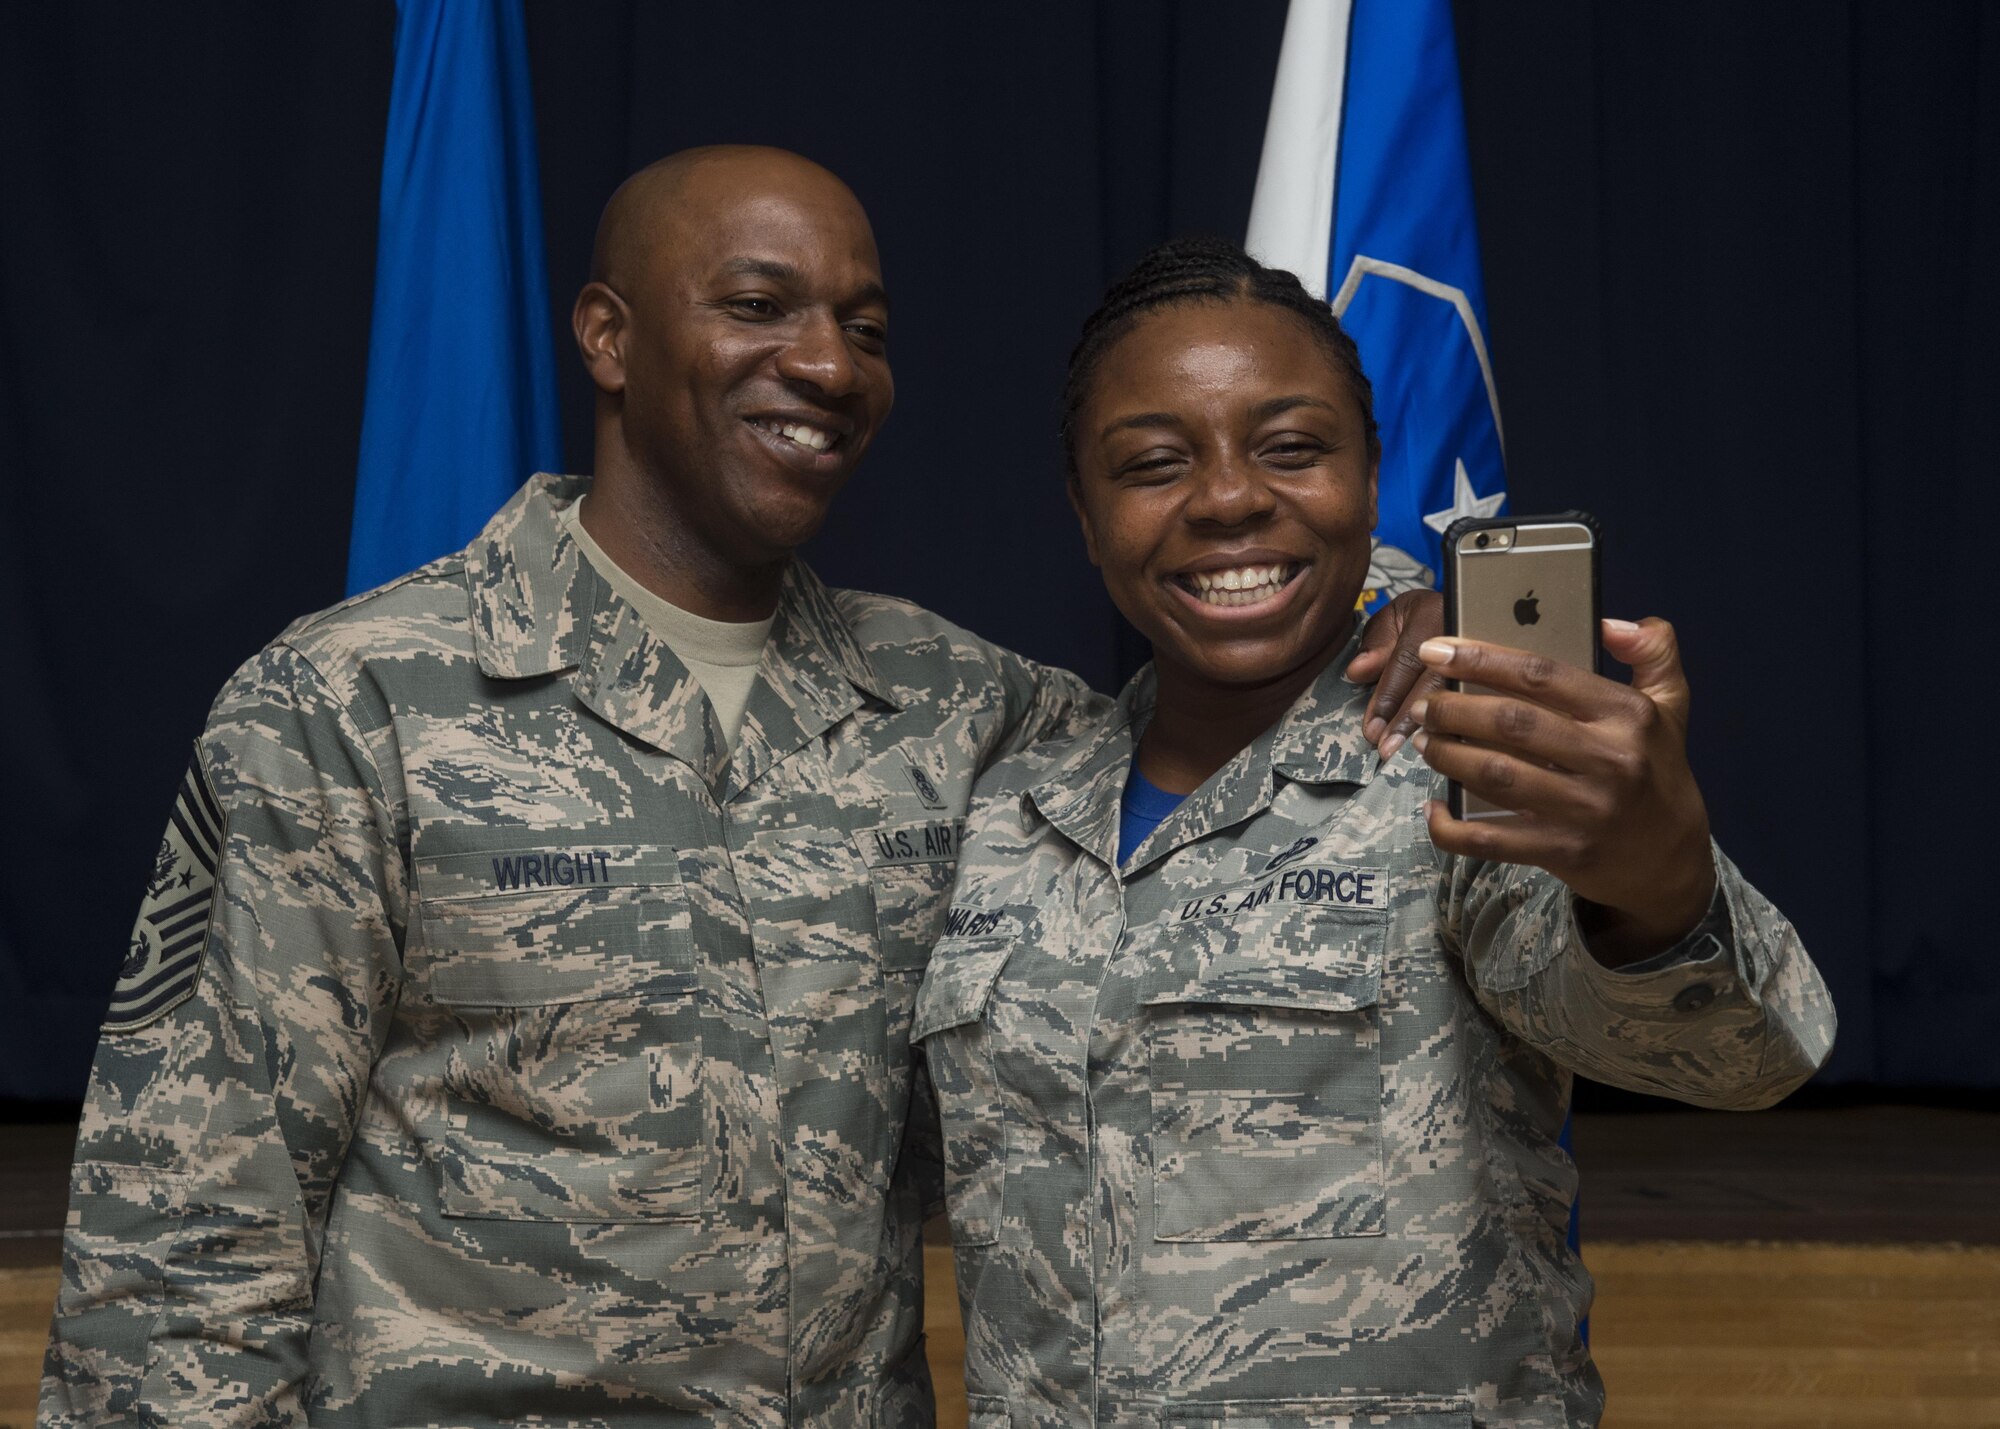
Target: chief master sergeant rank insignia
164 963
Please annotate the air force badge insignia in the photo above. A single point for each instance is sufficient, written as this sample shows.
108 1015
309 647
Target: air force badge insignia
1286 855
1391 571
163 963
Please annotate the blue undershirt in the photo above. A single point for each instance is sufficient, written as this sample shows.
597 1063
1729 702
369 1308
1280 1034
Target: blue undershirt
1140 812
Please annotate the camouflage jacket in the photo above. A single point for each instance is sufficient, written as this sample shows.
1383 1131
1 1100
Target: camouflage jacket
1263 1127
539 1061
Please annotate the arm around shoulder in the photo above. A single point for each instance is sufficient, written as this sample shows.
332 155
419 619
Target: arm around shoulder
1043 702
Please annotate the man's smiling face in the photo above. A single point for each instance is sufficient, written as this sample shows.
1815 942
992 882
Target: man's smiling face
755 367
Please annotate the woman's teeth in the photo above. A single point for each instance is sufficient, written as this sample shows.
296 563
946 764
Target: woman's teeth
799 433
1242 585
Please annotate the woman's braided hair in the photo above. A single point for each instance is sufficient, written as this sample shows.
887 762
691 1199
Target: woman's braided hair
1197 270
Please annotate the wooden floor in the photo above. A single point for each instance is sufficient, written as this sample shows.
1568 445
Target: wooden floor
26 1295
1837 1268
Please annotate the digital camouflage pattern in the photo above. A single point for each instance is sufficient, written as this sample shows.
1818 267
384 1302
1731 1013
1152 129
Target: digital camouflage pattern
1263 1129
548 1063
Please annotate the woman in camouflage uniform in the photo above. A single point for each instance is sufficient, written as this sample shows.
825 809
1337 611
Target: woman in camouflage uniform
1252 1060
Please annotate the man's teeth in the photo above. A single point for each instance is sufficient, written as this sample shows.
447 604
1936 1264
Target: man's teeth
1242 585
800 433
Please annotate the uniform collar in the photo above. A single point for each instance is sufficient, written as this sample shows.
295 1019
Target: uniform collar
539 607
532 591
1317 741
1080 796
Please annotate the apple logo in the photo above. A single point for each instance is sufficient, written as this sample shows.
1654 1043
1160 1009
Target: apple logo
1524 610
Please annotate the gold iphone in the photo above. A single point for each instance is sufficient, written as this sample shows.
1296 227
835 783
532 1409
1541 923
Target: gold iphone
1529 582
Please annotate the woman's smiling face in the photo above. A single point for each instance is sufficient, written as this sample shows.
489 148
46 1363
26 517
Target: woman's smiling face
1227 491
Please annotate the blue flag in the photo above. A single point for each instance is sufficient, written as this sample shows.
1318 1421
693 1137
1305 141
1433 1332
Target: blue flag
1365 192
461 404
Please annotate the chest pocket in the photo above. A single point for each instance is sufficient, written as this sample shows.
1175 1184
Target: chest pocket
952 1026
1265 1077
574 1087
910 873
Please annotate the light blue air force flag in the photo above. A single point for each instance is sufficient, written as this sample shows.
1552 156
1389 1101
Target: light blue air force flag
1364 192
461 404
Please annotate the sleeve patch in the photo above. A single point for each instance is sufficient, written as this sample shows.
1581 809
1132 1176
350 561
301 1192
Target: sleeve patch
170 939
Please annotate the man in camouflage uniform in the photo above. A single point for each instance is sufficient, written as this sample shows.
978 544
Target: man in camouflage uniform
503 1046
1261 1128
504 1040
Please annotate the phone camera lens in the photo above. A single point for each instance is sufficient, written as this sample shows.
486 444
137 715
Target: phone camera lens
1483 541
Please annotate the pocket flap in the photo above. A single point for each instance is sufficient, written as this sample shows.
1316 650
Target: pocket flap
959 983
1312 960
544 946
1239 982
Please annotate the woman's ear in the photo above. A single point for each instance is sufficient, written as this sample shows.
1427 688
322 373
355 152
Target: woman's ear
598 320
1083 520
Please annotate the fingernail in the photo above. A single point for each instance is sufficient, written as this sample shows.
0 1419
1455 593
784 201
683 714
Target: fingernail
1419 710
1623 627
1389 747
1435 652
1372 729
1422 740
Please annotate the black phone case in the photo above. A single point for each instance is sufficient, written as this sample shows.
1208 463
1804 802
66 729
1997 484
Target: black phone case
1470 525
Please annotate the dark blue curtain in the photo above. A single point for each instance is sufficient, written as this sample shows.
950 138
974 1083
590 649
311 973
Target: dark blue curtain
1739 265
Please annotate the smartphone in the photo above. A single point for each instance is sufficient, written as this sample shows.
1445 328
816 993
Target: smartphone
1525 581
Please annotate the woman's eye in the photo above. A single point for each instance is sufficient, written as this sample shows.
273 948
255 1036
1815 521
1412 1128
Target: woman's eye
1155 467
1295 452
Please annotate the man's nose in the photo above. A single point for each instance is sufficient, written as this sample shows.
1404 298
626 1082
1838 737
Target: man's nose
819 355
1227 491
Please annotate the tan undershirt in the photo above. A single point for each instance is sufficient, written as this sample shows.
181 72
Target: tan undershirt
722 655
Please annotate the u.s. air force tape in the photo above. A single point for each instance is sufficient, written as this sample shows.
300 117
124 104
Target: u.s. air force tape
163 964
1329 886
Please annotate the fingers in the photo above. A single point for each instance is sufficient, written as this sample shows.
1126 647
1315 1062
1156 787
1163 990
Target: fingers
1364 665
1404 681
1541 678
1402 722
1378 643
1389 652
1518 727
1528 841
1504 778
1653 651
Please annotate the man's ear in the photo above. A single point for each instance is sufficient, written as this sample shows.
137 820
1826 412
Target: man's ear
1083 520
600 321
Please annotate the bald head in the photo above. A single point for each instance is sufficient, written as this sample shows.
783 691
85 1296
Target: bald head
691 187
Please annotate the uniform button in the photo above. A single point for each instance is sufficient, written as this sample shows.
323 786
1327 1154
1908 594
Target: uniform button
1695 998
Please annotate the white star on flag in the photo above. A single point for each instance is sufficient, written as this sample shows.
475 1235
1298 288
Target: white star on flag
1463 502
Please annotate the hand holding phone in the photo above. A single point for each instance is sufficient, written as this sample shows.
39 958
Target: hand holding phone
1594 773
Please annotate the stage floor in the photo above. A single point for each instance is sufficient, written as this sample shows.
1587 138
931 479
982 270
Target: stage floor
1795 1268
